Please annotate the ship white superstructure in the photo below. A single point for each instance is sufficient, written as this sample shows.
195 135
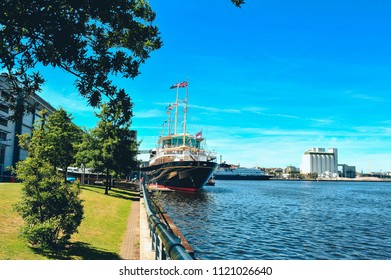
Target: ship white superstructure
233 172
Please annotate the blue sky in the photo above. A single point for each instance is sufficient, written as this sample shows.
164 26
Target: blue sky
267 81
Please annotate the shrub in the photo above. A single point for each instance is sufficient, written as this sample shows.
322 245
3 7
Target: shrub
51 209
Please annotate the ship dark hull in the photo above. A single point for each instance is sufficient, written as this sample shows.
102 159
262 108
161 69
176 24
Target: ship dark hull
241 177
181 175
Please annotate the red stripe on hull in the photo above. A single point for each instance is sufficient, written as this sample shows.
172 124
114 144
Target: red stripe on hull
179 188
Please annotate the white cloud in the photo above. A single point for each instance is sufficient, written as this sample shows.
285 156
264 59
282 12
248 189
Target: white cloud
71 102
283 147
152 113
279 115
368 97
216 110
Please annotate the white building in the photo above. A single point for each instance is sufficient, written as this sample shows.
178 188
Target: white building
10 152
320 161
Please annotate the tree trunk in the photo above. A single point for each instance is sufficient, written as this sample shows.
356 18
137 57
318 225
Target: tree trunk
65 174
107 181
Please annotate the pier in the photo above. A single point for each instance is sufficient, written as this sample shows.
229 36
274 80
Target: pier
152 235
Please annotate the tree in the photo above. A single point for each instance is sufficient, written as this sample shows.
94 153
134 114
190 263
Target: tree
110 147
88 151
238 3
52 209
118 146
60 139
92 40
126 151
313 175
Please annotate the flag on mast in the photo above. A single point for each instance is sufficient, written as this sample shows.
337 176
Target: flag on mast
198 135
179 85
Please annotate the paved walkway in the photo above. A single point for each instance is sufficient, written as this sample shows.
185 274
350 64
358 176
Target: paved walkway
137 242
130 249
146 252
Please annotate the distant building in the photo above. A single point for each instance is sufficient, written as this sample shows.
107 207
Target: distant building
320 161
10 152
347 171
291 169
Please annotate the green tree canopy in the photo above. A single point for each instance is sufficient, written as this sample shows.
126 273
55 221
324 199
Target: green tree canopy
90 39
111 146
58 136
88 152
52 209
61 137
238 3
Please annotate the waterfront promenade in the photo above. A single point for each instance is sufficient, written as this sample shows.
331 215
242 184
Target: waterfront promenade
137 242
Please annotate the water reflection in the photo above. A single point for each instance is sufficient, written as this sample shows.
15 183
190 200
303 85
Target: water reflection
285 220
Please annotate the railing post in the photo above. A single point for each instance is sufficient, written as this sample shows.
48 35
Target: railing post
157 248
153 244
163 255
164 242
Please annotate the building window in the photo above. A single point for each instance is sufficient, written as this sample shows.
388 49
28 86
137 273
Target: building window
3 121
2 156
3 136
5 94
4 108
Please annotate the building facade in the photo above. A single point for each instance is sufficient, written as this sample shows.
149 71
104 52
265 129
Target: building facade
347 171
320 161
10 152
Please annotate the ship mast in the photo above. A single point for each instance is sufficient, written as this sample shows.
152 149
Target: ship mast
176 104
185 113
169 108
176 109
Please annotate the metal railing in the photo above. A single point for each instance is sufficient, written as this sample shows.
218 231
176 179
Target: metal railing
166 245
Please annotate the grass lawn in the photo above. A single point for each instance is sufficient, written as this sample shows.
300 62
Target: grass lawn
100 233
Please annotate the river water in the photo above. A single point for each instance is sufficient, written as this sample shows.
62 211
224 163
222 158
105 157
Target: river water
285 220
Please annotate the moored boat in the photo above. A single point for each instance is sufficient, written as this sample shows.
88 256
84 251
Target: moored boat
210 182
180 162
235 172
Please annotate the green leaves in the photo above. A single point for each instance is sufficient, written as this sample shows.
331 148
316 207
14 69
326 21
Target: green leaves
238 3
89 39
60 137
51 208
111 146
